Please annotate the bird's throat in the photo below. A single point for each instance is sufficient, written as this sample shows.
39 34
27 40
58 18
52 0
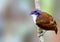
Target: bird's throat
34 18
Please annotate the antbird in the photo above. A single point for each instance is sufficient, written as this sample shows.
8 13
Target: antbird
44 21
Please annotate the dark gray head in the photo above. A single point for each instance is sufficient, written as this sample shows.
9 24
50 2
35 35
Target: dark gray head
36 12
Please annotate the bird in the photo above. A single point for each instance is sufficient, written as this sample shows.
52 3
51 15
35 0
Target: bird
44 21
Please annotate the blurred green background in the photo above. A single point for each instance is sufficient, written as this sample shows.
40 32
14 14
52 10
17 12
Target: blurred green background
48 6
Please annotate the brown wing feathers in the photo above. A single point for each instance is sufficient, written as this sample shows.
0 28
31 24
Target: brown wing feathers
46 22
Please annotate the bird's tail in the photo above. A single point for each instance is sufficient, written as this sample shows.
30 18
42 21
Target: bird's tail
56 30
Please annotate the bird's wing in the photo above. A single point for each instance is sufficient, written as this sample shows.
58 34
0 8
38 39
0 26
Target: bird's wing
46 21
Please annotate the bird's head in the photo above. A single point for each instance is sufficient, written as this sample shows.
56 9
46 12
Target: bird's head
35 14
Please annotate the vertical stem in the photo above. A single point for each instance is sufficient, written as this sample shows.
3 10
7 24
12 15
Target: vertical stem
41 39
37 6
